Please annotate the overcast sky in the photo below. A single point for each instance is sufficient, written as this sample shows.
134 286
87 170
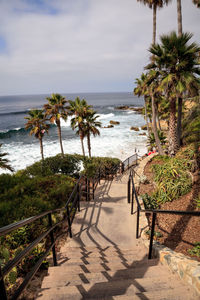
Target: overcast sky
80 45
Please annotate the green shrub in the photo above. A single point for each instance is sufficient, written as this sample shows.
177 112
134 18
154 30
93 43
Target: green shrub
195 250
149 201
34 195
106 164
67 165
172 179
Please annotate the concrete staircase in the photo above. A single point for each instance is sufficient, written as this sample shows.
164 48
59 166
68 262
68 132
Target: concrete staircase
103 260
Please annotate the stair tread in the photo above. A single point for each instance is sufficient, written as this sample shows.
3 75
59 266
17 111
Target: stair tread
118 288
97 267
105 277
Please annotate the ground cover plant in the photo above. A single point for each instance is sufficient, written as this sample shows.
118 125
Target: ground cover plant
177 176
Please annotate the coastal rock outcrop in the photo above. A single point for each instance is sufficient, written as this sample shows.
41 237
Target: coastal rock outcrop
126 107
114 122
144 127
109 126
134 128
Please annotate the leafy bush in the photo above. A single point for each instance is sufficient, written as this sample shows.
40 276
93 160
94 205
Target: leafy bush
67 165
195 250
149 202
106 164
172 179
151 142
31 196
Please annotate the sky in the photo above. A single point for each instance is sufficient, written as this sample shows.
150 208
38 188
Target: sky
66 46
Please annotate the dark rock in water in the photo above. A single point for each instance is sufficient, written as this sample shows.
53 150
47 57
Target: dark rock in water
123 107
134 128
144 127
109 126
142 133
114 122
126 107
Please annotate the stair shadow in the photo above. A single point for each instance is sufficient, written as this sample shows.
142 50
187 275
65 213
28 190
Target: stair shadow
119 274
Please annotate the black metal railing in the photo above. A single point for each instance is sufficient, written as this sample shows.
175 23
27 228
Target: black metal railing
132 193
130 161
70 209
84 187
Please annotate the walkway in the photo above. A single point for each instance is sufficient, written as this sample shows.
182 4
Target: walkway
103 260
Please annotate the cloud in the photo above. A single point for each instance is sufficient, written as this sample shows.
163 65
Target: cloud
82 45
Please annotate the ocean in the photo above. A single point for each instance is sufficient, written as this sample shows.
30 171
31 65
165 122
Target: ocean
118 141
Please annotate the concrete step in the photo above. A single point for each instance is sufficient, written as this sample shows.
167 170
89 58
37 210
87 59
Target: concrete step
129 288
99 267
93 278
96 252
63 260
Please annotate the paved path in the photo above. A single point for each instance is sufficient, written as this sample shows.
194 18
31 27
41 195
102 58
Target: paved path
106 220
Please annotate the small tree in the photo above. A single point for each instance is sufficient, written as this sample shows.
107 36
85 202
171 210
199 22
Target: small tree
4 162
37 125
91 124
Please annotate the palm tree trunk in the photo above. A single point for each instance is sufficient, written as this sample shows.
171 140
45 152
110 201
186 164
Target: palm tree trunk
154 127
154 23
146 117
60 138
89 144
179 13
82 145
180 100
173 141
41 148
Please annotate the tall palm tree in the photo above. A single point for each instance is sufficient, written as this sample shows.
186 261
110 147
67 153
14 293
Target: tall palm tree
152 82
154 4
79 108
56 110
178 65
37 125
4 162
180 99
91 124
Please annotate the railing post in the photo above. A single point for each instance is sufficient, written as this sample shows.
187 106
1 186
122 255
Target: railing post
52 241
99 175
93 189
86 188
3 294
152 235
137 224
122 168
78 199
69 222
129 189
132 199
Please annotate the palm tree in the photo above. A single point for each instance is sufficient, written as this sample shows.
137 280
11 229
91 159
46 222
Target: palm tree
37 125
154 4
152 82
178 66
140 90
56 110
196 2
4 162
91 125
80 109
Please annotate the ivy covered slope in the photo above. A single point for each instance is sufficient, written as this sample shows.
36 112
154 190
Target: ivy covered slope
44 185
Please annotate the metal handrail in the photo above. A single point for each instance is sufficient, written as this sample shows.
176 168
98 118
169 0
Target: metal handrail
71 206
154 212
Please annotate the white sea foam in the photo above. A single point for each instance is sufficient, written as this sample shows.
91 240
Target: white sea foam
118 141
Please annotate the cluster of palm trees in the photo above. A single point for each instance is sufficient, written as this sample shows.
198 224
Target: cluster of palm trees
171 76
83 120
